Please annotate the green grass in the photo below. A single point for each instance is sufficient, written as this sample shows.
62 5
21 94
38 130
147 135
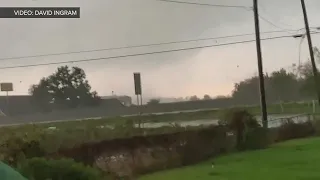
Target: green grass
293 160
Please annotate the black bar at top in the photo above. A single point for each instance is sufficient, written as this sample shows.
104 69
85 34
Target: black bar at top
39 12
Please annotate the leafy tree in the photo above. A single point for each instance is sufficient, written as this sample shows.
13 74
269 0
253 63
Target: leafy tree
40 95
66 88
153 101
281 85
247 91
284 85
206 97
194 98
307 80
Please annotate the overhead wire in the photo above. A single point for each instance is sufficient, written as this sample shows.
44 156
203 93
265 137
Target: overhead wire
205 4
142 54
227 6
273 24
165 43
265 11
142 45
269 22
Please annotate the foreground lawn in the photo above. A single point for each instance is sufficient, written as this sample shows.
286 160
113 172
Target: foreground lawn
294 160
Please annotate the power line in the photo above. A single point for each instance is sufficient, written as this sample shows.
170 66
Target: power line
285 30
265 11
204 4
315 27
225 6
142 54
137 46
228 6
272 24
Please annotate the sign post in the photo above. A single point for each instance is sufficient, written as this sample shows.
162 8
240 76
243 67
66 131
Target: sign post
6 87
138 91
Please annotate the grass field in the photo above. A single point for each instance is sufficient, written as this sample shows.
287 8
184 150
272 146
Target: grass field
288 108
292 160
68 134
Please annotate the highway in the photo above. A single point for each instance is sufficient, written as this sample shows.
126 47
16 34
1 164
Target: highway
274 120
29 119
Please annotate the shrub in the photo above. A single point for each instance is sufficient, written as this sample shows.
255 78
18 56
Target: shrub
316 125
43 169
257 138
273 135
291 130
245 127
16 149
199 145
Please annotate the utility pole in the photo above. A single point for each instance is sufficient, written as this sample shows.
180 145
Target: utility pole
263 102
313 63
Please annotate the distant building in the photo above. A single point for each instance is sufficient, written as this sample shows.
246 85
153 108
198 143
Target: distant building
125 100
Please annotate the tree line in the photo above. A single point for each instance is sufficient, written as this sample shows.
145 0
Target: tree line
281 86
68 87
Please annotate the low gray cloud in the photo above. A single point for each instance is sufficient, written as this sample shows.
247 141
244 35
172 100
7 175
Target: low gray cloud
117 23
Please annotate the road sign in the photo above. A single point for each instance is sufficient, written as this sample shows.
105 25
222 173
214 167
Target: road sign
6 87
137 83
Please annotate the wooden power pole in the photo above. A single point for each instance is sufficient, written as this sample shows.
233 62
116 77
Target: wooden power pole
260 66
313 63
